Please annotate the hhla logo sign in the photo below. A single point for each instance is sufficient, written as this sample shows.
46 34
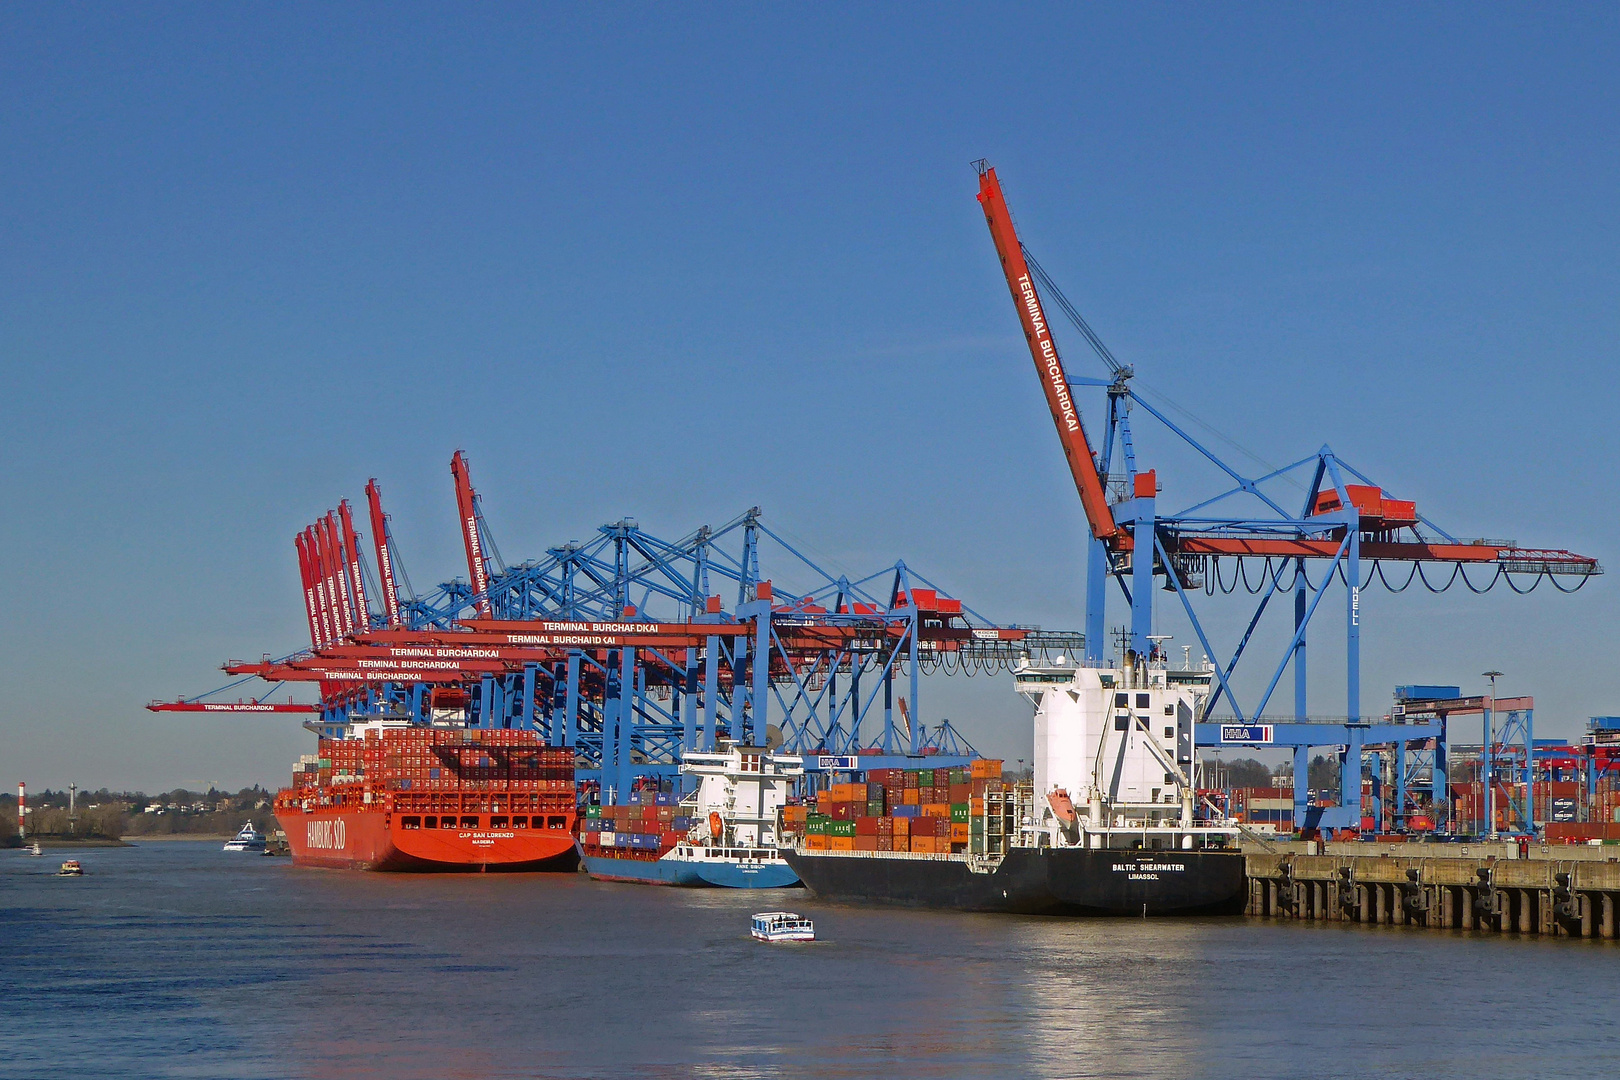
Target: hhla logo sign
324 834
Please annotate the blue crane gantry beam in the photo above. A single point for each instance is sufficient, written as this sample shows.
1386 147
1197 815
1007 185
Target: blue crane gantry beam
1350 741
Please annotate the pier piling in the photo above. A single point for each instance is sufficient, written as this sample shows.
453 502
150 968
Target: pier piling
1556 892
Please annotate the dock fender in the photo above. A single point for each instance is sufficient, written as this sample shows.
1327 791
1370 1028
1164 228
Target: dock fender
1413 896
1285 884
1348 901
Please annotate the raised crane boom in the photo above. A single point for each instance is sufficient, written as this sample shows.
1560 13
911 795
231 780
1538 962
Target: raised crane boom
467 507
1048 365
311 608
385 557
351 565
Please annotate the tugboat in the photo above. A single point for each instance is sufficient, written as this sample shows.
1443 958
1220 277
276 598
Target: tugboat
729 839
71 868
782 926
248 839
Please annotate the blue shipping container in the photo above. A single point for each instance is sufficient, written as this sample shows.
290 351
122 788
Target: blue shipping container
1427 693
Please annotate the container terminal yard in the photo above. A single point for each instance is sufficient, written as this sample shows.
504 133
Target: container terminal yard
587 700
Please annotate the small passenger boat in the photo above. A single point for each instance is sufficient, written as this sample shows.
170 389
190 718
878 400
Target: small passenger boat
36 849
783 926
71 868
248 839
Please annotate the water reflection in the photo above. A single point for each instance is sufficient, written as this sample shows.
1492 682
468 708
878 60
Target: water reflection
173 960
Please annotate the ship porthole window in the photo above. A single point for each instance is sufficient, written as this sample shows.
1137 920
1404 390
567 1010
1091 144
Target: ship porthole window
469 823
410 823
430 823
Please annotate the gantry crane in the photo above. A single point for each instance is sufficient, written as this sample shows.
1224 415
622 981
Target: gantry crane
1347 527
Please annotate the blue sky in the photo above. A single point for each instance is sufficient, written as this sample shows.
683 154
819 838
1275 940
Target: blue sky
671 262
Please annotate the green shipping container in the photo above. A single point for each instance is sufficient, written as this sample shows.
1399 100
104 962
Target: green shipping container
959 811
593 811
840 828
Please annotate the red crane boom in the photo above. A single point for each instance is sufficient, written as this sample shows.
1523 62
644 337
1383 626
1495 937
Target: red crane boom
467 506
317 573
385 559
1048 365
335 576
307 577
357 579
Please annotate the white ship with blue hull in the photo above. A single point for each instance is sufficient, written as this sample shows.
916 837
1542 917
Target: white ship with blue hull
248 839
732 844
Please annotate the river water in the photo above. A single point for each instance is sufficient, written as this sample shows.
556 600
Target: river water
176 959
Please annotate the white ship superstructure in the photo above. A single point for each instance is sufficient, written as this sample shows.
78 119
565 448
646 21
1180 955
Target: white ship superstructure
746 787
1115 759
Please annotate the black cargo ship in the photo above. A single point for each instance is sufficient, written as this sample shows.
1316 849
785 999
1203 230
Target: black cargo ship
1030 881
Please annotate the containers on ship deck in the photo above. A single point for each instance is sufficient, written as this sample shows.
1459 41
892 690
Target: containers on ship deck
511 779
928 811
647 827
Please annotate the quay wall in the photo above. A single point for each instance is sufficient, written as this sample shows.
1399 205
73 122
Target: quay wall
1553 890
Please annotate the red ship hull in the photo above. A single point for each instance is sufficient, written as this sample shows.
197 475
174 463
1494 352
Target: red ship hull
362 839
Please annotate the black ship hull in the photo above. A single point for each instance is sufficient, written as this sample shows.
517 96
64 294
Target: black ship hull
1061 881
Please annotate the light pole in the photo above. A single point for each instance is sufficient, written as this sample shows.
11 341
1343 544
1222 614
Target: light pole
1485 755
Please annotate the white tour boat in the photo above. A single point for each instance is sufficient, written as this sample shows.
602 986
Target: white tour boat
783 926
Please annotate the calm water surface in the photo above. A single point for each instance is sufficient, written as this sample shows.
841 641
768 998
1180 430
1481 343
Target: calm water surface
179 960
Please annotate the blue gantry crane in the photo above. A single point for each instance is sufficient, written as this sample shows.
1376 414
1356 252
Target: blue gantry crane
632 648
1249 536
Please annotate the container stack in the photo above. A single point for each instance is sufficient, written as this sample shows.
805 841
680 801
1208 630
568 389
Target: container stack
647 828
1264 806
794 819
929 811
428 769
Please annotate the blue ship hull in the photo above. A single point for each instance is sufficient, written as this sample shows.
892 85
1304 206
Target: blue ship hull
716 873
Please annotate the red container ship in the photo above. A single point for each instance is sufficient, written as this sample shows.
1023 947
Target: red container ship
402 797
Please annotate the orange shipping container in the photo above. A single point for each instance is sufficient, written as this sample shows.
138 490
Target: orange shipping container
840 843
909 797
959 832
866 843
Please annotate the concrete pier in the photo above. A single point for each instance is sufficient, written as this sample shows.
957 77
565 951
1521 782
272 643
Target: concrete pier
1561 891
